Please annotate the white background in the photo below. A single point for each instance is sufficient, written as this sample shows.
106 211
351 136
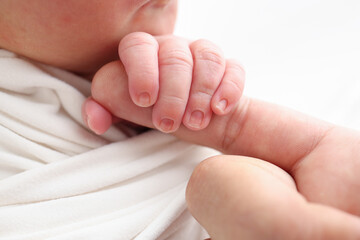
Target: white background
301 54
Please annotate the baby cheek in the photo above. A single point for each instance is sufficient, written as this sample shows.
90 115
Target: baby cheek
158 17
162 3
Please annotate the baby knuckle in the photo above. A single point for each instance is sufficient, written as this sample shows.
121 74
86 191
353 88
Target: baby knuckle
147 74
236 67
135 40
206 92
236 76
176 57
236 84
174 100
211 56
204 50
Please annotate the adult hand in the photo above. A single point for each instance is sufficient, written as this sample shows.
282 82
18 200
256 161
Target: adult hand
237 197
314 195
314 192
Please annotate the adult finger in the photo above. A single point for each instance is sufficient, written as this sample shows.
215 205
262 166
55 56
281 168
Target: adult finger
301 145
241 198
262 130
139 53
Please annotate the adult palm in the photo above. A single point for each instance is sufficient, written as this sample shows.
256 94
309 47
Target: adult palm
299 179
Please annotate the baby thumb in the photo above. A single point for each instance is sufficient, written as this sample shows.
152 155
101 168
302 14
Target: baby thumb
95 116
110 96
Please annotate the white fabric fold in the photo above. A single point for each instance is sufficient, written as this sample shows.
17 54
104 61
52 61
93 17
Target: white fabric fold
60 181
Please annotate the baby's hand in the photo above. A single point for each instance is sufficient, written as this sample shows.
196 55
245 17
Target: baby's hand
184 82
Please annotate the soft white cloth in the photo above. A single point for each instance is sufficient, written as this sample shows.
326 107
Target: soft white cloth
60 181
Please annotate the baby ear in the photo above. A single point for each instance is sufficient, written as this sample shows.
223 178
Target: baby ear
110 89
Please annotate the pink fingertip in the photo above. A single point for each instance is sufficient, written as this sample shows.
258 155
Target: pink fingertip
196 119
221 107
96 117
166 125
144 100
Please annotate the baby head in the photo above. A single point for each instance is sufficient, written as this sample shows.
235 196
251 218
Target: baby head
79 35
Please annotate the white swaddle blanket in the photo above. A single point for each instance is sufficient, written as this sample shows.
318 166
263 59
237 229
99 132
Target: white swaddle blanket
60 181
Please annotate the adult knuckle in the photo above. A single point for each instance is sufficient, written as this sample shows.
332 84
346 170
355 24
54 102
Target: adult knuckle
199 177
203 171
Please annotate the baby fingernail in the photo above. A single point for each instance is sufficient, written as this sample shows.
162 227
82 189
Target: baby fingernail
196 119
87 114
144 99
222 105
166 125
